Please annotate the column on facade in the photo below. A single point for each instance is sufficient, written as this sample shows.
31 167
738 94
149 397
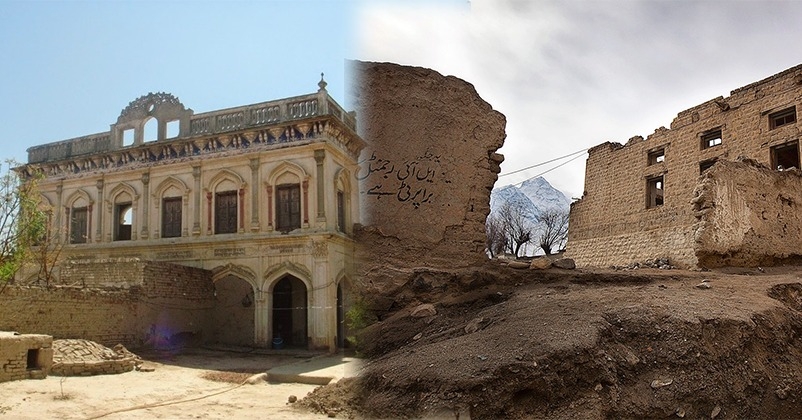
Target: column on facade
99 231
269 189
196 174
145 207
59 199
322 310
255 192
320 156
208 212
261 318
241 210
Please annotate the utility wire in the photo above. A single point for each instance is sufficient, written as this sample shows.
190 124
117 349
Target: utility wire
543 163
549 170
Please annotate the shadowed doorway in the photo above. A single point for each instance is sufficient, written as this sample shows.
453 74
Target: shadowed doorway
290 312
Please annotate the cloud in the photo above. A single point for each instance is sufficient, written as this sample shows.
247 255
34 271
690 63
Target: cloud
570 75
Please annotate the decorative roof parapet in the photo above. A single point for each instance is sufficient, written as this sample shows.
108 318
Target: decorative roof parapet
166 107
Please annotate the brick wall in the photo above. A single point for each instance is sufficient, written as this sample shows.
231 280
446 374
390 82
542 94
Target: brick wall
613 215
151 303
14 349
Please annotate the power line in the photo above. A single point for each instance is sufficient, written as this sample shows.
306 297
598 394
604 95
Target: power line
543 163
549 170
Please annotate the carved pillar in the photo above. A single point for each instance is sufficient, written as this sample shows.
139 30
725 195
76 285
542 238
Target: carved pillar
320 155
99 231
208 212
185 214
59 230
196 173
89 223
269 189
255 192
306 202
67 218
145 207
242 209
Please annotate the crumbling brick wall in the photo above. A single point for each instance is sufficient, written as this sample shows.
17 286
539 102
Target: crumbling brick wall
748 215
615 223
150 299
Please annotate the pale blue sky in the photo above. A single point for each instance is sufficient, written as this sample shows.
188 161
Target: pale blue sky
68 68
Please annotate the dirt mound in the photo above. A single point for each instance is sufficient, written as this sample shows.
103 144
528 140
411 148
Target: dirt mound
567 344
340 399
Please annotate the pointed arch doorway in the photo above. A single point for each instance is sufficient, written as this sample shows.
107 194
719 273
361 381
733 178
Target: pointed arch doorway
290 312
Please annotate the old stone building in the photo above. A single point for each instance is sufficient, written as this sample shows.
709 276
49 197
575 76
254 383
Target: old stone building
680 194
261 197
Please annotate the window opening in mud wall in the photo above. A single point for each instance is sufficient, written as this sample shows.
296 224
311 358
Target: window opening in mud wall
711 138
654 194
32 359
781 118
785 156
656 156
78 225
225 212
705 165
171 217
123 217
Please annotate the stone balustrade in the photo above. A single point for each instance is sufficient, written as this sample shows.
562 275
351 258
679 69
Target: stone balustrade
228 120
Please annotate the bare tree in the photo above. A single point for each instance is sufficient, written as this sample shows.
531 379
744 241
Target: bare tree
518 230
496 239
553 229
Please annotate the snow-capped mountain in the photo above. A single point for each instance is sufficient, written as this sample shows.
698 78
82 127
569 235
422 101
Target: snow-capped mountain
534 196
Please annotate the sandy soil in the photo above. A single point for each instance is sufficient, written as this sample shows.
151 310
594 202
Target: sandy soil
176 385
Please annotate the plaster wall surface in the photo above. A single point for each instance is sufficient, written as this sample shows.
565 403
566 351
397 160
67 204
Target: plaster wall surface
426 173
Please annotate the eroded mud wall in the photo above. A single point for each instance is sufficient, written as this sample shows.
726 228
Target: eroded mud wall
748 215
425 176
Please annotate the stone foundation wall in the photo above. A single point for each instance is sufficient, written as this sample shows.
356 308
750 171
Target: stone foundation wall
151 303
748 215
25 356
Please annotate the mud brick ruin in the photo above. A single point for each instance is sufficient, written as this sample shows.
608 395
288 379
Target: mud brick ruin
25 356
426 173
721 186
232 226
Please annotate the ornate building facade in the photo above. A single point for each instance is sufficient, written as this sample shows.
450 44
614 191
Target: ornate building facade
261 196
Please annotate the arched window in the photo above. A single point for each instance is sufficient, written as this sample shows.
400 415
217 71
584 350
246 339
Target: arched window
288 207
123 219
227 193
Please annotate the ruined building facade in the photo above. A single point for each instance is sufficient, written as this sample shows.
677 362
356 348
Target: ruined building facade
261 198
720 187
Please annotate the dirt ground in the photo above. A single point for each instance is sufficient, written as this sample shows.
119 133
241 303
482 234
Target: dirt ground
177 383
505 343
645 343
